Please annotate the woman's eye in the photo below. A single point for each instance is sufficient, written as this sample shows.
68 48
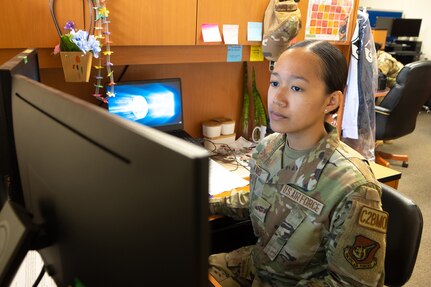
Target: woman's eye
296 88
274 83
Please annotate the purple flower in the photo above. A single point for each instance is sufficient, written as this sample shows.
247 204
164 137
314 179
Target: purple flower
77 40
69 26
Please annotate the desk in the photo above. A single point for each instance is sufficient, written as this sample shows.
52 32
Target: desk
383 174
213 282
379 36
386 175
381 93
405 51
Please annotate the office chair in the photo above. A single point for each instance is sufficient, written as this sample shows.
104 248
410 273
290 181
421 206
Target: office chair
403 236
396 115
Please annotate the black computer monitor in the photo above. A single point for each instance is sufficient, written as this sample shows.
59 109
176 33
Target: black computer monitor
405 27
384 23
122 204
25 63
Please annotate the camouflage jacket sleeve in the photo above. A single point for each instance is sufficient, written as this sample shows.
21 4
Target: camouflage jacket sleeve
235 204
389 65
356 242
386 63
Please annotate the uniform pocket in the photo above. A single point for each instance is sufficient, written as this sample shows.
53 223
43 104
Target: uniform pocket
259 209
284 231
295 241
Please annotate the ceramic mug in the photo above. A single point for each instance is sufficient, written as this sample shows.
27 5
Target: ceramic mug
258 133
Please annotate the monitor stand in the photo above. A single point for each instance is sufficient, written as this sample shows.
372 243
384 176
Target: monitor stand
17 232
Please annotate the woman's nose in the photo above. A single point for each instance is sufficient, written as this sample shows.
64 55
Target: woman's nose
279 98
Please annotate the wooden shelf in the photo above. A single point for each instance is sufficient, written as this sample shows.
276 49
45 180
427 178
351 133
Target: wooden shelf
142 55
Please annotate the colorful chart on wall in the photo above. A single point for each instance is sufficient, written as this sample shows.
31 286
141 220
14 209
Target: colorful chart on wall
328 19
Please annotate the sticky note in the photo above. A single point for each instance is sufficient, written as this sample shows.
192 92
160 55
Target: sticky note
254 31
234 53
230 34
256 53
211 33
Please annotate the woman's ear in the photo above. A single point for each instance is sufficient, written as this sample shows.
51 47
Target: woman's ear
333 101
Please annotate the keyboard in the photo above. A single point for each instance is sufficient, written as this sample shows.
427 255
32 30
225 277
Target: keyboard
185 136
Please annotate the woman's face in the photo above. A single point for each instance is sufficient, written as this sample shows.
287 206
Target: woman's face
297 96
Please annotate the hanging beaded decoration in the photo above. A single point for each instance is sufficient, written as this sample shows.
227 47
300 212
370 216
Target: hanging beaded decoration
102 34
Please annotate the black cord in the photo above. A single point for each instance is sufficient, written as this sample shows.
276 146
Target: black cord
39 277
214 150
122 73
222 156
91 15
54 18
83 16
233 155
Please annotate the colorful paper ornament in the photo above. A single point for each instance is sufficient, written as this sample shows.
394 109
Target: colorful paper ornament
101 27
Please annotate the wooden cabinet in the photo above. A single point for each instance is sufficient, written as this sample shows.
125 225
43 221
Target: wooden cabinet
135 23
167 22
151 26
25 24
149 22
238 12
164 22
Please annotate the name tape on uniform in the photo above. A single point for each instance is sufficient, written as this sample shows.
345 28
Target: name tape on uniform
302 199
373 219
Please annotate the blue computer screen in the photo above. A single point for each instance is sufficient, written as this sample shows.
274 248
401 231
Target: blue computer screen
154 103
373 14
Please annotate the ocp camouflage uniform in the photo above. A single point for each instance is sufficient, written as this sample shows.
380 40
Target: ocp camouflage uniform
389 66
317 215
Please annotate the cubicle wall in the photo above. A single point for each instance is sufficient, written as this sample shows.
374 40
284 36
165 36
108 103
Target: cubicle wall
168 45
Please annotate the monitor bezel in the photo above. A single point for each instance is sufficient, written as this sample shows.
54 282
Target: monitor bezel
10 183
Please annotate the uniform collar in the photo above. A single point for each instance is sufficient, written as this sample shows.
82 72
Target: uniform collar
305 171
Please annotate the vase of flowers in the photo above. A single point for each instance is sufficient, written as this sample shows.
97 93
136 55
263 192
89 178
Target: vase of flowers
76 49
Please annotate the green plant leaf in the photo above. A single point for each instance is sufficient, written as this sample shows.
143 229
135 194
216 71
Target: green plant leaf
66 43
245 105
259 109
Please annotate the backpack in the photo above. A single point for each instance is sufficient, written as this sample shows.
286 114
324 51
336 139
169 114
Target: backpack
282 23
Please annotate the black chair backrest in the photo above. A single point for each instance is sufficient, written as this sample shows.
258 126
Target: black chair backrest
403 236
404 100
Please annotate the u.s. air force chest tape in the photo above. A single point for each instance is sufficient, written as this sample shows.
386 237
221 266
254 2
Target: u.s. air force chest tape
302 199
361 243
